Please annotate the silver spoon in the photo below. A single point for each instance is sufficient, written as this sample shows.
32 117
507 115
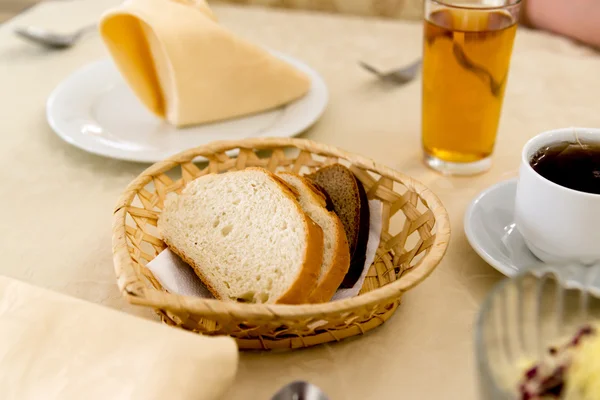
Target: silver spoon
52 40
300 390
401 75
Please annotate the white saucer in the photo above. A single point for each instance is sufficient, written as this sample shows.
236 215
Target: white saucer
491 231
95 110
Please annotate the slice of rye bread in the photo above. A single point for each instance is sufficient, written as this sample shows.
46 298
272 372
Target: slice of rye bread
336 255
246 237
350 203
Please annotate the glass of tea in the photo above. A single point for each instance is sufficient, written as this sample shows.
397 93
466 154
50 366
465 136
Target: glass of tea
466 57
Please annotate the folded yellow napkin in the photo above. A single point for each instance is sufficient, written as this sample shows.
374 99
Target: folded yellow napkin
54 347
188 69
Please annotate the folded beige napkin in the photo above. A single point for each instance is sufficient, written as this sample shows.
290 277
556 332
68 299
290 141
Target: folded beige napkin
54 347
188 69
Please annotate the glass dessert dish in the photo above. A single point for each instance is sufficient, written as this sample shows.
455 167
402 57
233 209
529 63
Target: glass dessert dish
538 336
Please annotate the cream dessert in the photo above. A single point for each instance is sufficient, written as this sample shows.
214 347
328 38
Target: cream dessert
569 372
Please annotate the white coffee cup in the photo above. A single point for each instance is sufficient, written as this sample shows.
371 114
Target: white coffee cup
558 224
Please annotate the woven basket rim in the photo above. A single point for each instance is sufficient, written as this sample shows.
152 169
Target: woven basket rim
134 290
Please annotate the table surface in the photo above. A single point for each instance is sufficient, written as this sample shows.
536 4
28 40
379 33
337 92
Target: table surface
10 8
57 201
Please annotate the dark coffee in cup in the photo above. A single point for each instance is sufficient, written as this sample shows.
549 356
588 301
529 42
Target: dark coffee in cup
572 165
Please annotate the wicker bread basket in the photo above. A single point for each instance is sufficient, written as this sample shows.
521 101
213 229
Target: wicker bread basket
414 237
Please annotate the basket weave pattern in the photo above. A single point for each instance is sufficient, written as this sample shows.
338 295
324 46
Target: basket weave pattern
414 237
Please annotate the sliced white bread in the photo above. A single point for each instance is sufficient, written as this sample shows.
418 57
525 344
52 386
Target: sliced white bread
336 253
245 236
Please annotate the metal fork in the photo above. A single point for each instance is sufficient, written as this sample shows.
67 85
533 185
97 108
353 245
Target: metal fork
407 73
400 76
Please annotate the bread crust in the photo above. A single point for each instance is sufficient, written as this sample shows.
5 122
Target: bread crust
353 189
358 230
329 282
306 280
359 257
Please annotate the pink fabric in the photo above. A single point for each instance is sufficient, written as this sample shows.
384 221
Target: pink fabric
574 18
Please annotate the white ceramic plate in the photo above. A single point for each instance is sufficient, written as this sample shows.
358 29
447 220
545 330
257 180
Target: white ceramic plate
491 231
95 110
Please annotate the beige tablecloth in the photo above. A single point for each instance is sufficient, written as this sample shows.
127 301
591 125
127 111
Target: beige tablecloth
57 200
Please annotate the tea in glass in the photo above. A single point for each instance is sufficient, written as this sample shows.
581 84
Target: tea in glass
467 50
